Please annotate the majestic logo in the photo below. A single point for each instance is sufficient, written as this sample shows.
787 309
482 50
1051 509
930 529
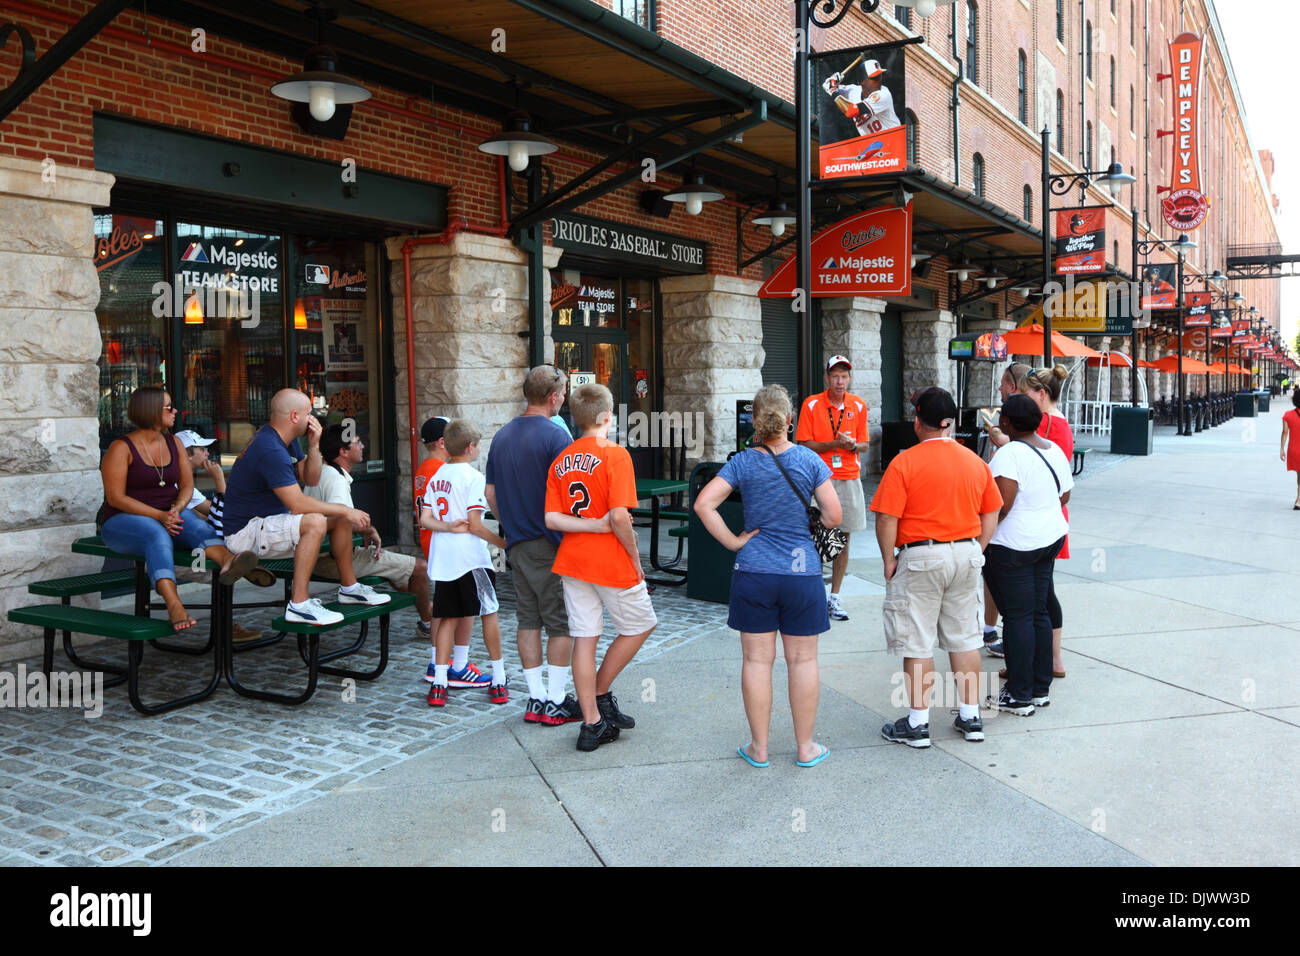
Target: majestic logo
194 253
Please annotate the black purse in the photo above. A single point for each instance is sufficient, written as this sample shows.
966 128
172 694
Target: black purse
830 542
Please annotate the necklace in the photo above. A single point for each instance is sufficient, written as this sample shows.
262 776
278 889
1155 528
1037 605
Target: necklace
144 448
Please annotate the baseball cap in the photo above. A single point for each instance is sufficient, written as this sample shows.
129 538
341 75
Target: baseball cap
935 407
873 68
432 430
837 360
191 438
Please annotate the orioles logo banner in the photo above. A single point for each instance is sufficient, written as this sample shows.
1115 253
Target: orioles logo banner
1196 307
1186 207
1080 241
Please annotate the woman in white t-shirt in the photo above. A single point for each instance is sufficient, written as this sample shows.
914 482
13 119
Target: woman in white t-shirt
1034 478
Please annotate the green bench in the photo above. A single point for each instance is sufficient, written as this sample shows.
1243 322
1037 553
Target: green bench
78 584
309 647
1079 455
124 627
664 514
681 531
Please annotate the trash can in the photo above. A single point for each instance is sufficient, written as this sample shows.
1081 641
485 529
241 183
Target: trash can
894 437
1244 405
709 564
1131 430
1263 399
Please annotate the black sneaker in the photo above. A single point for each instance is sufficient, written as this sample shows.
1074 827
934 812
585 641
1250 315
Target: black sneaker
591 736
995 649
1008 704
567 711
608 706
1042 701
902 732
972 728
533 712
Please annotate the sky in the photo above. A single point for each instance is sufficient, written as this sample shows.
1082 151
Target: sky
1261 43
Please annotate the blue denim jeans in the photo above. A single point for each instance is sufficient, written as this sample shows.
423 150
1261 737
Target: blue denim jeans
1021 582
144 536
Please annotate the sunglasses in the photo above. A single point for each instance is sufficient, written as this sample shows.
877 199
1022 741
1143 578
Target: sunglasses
171 408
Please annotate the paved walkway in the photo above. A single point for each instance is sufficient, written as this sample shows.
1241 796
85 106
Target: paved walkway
1174 740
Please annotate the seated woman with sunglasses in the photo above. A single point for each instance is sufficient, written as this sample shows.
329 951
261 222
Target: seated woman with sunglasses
147 490
777 582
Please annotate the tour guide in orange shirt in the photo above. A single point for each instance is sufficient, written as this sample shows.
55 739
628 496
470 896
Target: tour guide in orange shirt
833 423
938 505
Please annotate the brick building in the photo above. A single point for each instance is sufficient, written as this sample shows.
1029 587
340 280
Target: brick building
157 153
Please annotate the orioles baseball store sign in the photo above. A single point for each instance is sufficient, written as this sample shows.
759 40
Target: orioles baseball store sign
1186 207
600 238
866 254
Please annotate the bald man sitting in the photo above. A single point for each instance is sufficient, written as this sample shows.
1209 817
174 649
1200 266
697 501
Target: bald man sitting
266 512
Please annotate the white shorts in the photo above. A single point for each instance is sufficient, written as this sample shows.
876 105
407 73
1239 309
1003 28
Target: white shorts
630 609
273 537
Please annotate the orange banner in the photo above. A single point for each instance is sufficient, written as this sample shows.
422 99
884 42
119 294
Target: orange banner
866 254
1186 207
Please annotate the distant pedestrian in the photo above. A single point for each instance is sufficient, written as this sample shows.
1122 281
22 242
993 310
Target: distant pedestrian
517 469
590 491
833 424
1291 443
1034 480
936 509
776 585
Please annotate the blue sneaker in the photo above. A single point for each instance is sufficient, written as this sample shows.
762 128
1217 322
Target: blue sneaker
469 677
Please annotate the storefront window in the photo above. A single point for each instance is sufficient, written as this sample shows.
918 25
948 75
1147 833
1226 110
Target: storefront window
336 328
231 333
129 259
583 300
638 306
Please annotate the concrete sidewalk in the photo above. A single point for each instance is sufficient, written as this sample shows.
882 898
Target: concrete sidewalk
1175 739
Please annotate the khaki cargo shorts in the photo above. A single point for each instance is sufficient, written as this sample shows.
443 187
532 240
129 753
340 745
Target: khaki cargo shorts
935 598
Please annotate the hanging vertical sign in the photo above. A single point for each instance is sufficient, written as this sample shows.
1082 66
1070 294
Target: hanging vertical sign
1186 207
1080 241
1196 306
858 102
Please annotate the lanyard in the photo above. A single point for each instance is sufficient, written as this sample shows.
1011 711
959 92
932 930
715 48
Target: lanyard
835 425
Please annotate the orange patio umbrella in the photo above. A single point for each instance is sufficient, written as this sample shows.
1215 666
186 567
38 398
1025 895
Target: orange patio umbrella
1218 369
1028 340
1169 364
1117 360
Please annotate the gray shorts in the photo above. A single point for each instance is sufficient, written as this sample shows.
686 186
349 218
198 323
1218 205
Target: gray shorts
539 592
853 504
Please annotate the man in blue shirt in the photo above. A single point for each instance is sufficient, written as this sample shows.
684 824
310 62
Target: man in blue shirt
518 460
266 511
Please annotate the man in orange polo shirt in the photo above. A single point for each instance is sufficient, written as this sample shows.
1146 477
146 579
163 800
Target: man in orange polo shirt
936 509
833 423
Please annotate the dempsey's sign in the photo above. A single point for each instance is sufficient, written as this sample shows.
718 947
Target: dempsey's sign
1186 207
866 254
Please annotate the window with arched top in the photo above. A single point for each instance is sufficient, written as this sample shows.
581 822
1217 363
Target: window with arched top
1027 204
977 174
1060 122
913 141
1022 87
1132 110
1087 144
972 41
1060 20
1112 82
1087 47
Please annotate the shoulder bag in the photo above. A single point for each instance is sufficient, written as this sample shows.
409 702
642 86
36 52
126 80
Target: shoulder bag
1045 462
830 542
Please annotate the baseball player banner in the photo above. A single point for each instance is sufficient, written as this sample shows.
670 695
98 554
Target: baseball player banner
1080 241
1186 207
858 103
1196 309
1158 285
867 254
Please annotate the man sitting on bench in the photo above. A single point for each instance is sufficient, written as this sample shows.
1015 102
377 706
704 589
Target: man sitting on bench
266 511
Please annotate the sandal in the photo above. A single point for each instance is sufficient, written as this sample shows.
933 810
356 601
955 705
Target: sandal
180 624
815 760
240 565
261 577
744 755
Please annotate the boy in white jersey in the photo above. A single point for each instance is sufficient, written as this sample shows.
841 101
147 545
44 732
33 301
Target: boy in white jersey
460 568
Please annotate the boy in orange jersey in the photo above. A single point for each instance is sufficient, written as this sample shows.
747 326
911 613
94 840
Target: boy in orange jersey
590 490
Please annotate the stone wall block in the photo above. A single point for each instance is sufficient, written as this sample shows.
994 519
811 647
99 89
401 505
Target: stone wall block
47 282
713 355
38 227
46 335
35 446
29 501
714 304
29 391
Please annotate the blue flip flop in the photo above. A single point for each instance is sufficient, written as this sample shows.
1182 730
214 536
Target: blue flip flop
751 761
815 760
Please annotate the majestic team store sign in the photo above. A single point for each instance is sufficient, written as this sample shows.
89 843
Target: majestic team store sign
867 254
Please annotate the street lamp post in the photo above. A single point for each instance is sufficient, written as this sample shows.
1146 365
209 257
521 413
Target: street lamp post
1145 248
1058 184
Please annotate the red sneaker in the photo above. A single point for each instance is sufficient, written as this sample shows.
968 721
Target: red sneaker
498 694
437 696
565 712
533 714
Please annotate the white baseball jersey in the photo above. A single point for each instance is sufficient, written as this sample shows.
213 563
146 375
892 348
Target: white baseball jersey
878 110
451 494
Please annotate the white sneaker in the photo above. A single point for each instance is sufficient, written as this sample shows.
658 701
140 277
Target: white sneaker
364 594
312 612
835 609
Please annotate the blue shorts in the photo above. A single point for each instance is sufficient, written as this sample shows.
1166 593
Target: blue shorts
793 604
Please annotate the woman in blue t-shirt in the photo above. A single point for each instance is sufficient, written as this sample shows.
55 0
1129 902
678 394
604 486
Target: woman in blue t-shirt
777 581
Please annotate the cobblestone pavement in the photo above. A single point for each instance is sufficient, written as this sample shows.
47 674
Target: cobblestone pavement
128 789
